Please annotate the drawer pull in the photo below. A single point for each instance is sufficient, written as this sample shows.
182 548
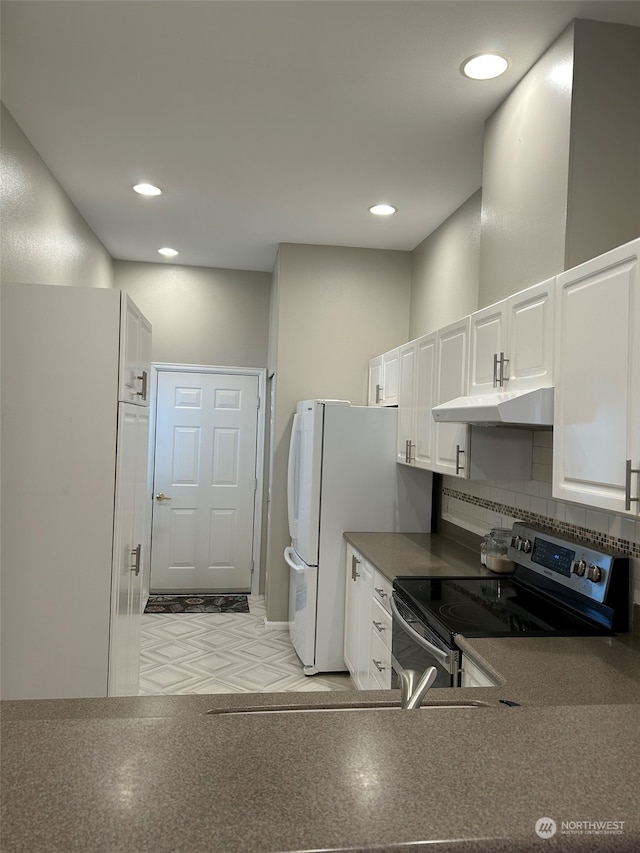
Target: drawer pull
378 665
381 592
379 626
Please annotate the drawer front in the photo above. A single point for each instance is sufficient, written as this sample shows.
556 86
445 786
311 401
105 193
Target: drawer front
382 589
379 663
381 623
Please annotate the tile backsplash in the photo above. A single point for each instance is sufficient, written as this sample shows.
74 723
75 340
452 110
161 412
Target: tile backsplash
479 505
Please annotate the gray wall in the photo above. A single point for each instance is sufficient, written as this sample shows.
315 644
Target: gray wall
446 271
44 238
201 316
604 188
561 170
525 178
333 309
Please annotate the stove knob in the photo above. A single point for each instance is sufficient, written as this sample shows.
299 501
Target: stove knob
515 542
525 545
594 573
578 567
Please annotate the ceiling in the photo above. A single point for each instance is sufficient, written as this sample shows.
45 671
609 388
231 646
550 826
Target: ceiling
266 122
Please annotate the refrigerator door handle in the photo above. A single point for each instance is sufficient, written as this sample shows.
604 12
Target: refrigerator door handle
292 477
289 554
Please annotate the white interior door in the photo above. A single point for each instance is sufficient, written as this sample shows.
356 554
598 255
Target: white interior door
204 482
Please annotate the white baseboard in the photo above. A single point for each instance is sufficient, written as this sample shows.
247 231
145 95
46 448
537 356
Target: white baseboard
276 626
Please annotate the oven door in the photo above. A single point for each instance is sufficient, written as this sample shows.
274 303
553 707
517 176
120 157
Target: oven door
416 646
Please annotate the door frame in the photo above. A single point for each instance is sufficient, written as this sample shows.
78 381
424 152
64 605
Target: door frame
261 374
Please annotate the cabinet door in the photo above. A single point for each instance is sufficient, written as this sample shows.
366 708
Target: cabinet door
357 610
596 441
374 396
487 345
529 345
135 354
425 390
128 544
406 403
452 359
390 377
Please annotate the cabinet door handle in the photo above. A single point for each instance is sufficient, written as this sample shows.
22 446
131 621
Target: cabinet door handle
378 665
503 361
407 451
354 566
136 559
459 452
144 378
378 393
379 626
628 500
495 370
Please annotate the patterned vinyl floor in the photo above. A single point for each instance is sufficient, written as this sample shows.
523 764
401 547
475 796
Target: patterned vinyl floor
223 653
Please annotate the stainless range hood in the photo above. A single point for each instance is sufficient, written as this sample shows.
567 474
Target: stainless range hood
533 407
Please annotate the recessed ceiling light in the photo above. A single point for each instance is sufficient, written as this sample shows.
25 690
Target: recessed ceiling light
382 209
484 66
147 189
167 252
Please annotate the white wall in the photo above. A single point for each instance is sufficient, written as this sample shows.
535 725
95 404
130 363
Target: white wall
44 238
333 309
446 271
201 316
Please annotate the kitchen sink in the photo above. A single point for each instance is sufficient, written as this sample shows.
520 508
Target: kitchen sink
388 706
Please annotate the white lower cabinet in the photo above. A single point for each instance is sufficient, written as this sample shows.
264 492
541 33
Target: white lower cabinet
596 437
367 639
475 676
357 612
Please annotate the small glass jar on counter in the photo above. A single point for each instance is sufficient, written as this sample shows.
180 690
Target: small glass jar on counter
497 544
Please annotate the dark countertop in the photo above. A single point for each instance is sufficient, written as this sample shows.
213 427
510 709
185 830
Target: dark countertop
417 554
157 774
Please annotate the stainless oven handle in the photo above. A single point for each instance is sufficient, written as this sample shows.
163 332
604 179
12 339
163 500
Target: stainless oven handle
438 654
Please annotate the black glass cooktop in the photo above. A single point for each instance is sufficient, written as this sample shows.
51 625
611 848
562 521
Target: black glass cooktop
489 607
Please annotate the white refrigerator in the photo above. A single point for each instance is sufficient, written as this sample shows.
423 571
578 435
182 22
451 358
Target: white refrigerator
342 475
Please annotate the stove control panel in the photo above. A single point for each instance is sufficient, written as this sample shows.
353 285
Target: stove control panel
575 565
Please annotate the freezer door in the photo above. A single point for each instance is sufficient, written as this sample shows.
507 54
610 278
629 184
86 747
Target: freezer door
303 480
303 587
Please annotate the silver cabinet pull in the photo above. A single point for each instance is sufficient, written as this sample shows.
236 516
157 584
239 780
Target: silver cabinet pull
354 567
378 665
144 378
162 497
379 626
502 378
459 452
495 370
380 592
378 393
136 559
628 500
408 447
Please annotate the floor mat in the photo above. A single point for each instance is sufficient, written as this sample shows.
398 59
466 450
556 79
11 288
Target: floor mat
197 604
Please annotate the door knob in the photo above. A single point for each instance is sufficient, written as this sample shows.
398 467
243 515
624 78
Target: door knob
162 497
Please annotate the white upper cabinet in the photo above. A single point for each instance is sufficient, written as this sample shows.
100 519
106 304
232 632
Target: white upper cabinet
425 389
135 354
452 363
488 344
383 379
406 402
596 445
512 342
